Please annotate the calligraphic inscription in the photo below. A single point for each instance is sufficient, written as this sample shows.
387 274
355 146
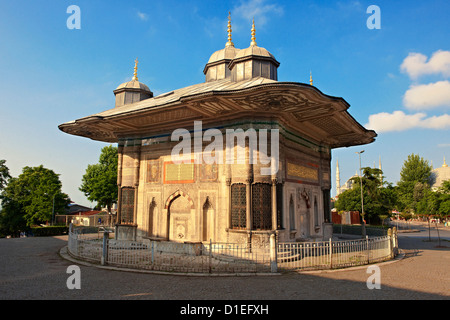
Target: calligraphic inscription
303 172
153 171
179 173
208 172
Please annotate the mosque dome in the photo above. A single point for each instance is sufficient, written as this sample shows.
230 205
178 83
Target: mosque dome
439 175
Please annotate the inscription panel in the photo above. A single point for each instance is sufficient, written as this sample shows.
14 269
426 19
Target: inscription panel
303 172
179 173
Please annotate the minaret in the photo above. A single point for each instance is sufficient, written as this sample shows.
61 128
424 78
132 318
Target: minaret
379 167
338 179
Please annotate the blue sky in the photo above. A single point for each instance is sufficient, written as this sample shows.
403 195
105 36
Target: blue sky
396 78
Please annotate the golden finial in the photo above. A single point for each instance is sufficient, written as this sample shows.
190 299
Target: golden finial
135 77
253 43
229 43
310 78
444 165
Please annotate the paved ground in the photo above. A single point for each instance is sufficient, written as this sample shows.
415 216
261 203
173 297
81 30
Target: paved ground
31 268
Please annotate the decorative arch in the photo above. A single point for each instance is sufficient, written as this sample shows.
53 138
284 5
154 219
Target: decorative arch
177 194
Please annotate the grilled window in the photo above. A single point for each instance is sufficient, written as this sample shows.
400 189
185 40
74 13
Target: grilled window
262 206
238 206
127 206
279 206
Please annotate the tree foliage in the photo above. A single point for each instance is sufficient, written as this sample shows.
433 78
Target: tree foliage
435 203
31 199
99 183
379 198
414 179
4 174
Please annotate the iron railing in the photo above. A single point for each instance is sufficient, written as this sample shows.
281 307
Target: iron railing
230 257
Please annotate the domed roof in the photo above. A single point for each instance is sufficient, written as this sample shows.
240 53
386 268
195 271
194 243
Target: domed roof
133 84
227 53
439 175
254 51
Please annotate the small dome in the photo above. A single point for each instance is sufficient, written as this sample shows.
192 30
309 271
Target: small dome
227 53
133 84
254 51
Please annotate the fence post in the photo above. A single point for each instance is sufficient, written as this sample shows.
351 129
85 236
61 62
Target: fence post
368 249
153 251
395 241
331 253
273 254
105 248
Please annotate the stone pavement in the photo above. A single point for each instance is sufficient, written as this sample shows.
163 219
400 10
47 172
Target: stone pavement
31 268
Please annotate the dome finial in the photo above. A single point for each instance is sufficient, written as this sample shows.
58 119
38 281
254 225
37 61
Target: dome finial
310 78
444 165
229 43
253 43
135 77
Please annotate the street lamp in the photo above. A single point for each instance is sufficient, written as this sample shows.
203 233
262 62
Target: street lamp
362 197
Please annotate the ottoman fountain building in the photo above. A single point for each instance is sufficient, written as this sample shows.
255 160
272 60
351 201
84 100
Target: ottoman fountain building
234 159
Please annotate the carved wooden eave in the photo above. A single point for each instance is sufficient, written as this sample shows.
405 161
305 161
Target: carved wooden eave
301 107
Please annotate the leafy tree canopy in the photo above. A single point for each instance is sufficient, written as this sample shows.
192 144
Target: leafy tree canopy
4 174
414 179
32 198
99 183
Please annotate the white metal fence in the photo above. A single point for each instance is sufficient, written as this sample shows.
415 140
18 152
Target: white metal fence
230 257
334 254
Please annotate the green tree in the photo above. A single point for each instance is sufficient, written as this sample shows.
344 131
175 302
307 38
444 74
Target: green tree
444 199
12 215
32 199
378 199
4 174
414 178
99 183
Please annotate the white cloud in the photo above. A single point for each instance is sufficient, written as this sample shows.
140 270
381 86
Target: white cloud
427 96
444 145
399 121
257 9
142 16
416 65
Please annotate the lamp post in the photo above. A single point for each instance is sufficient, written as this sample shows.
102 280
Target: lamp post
362 197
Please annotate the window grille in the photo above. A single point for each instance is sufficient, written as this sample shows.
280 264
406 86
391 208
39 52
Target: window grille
262 206
127 206
238 206
279 206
